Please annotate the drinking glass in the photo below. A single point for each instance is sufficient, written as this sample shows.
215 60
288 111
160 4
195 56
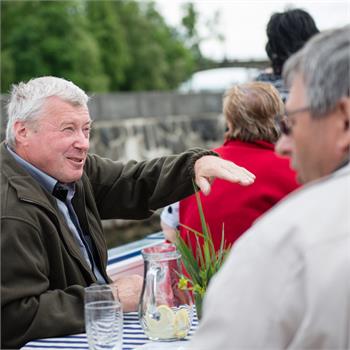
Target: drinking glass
103 318
104 325
99 292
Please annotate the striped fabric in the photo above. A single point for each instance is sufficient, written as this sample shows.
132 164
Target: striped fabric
133 337
122 260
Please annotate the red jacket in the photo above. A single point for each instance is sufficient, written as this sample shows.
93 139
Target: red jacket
238 206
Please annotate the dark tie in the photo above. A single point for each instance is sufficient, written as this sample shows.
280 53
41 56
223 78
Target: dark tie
60 192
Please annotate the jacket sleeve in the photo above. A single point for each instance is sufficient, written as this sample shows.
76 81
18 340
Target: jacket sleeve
134 189
30 307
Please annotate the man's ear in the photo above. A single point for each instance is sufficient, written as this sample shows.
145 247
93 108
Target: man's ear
344 108
20 129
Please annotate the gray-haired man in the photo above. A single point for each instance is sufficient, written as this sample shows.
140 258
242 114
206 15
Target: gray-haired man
286 283
53 197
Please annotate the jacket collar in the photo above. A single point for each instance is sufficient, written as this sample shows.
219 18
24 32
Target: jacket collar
19 178
28 189
20 172
44 180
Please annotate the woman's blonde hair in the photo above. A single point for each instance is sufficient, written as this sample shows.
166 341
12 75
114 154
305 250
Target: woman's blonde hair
250 110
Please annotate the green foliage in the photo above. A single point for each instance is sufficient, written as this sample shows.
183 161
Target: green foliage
190 23
100 45
106 27
158 59
49 38
7 68
202 265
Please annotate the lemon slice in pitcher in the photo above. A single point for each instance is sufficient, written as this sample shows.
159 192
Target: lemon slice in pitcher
182 323
164 327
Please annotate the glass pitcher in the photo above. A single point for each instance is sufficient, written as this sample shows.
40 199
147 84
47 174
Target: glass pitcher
165 311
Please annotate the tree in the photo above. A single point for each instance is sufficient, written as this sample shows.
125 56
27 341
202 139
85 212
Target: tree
158 58
192 38
106 27
99 45
45 38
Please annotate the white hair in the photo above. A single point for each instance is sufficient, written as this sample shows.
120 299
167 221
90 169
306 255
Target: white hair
27 99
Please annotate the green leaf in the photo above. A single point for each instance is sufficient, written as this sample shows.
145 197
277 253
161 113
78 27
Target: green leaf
201 261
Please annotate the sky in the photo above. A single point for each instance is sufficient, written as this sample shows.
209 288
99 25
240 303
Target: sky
243 23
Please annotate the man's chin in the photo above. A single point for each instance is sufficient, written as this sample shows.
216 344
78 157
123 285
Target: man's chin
71 177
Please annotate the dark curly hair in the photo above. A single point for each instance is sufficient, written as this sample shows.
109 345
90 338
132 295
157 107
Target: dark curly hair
287 32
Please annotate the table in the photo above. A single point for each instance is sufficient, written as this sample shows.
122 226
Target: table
121 261
133 337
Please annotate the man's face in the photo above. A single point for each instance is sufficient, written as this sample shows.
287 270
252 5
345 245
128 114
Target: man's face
58 142
312 143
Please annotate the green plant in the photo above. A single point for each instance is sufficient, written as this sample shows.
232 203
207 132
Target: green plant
202 261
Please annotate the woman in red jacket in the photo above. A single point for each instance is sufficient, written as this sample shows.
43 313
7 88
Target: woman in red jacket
249 110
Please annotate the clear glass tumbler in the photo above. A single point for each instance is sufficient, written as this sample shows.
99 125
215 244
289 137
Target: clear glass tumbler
104 325
100 292
103 318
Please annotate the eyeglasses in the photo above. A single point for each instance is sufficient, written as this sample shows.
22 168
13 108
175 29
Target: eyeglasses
283 121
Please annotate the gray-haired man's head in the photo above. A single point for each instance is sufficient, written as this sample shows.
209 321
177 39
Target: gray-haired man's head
27 99
316 131
324 64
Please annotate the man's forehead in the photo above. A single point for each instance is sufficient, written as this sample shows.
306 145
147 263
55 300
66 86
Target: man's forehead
58 112
58 105
56 101
296 97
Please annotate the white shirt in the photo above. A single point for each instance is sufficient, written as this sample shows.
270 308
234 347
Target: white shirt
286 282
170 215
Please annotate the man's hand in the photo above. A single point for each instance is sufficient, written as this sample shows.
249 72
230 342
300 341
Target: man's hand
207 168
129 291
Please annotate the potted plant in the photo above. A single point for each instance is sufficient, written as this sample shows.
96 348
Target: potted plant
202 261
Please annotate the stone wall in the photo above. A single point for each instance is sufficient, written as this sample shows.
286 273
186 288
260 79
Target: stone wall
152 104
149 124
147 138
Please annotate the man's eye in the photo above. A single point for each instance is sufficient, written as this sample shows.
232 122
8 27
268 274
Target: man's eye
68 128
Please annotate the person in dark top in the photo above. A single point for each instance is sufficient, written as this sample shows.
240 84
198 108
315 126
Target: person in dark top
287 32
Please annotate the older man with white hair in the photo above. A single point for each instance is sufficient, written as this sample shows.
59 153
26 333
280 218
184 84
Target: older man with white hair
53 197
286 282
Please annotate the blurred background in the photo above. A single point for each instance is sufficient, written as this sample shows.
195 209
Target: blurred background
156 70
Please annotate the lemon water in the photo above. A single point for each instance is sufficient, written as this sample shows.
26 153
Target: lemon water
172 323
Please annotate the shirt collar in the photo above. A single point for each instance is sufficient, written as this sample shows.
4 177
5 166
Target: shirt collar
343 168
45 180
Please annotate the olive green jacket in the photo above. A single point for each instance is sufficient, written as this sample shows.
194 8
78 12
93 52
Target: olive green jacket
43 274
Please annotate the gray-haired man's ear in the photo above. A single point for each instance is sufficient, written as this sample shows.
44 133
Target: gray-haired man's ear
344 114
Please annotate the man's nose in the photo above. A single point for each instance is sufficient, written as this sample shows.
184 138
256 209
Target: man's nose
82 141
284 146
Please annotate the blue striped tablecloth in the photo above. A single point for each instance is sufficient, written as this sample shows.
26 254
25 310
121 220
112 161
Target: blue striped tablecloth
133 337
119 259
